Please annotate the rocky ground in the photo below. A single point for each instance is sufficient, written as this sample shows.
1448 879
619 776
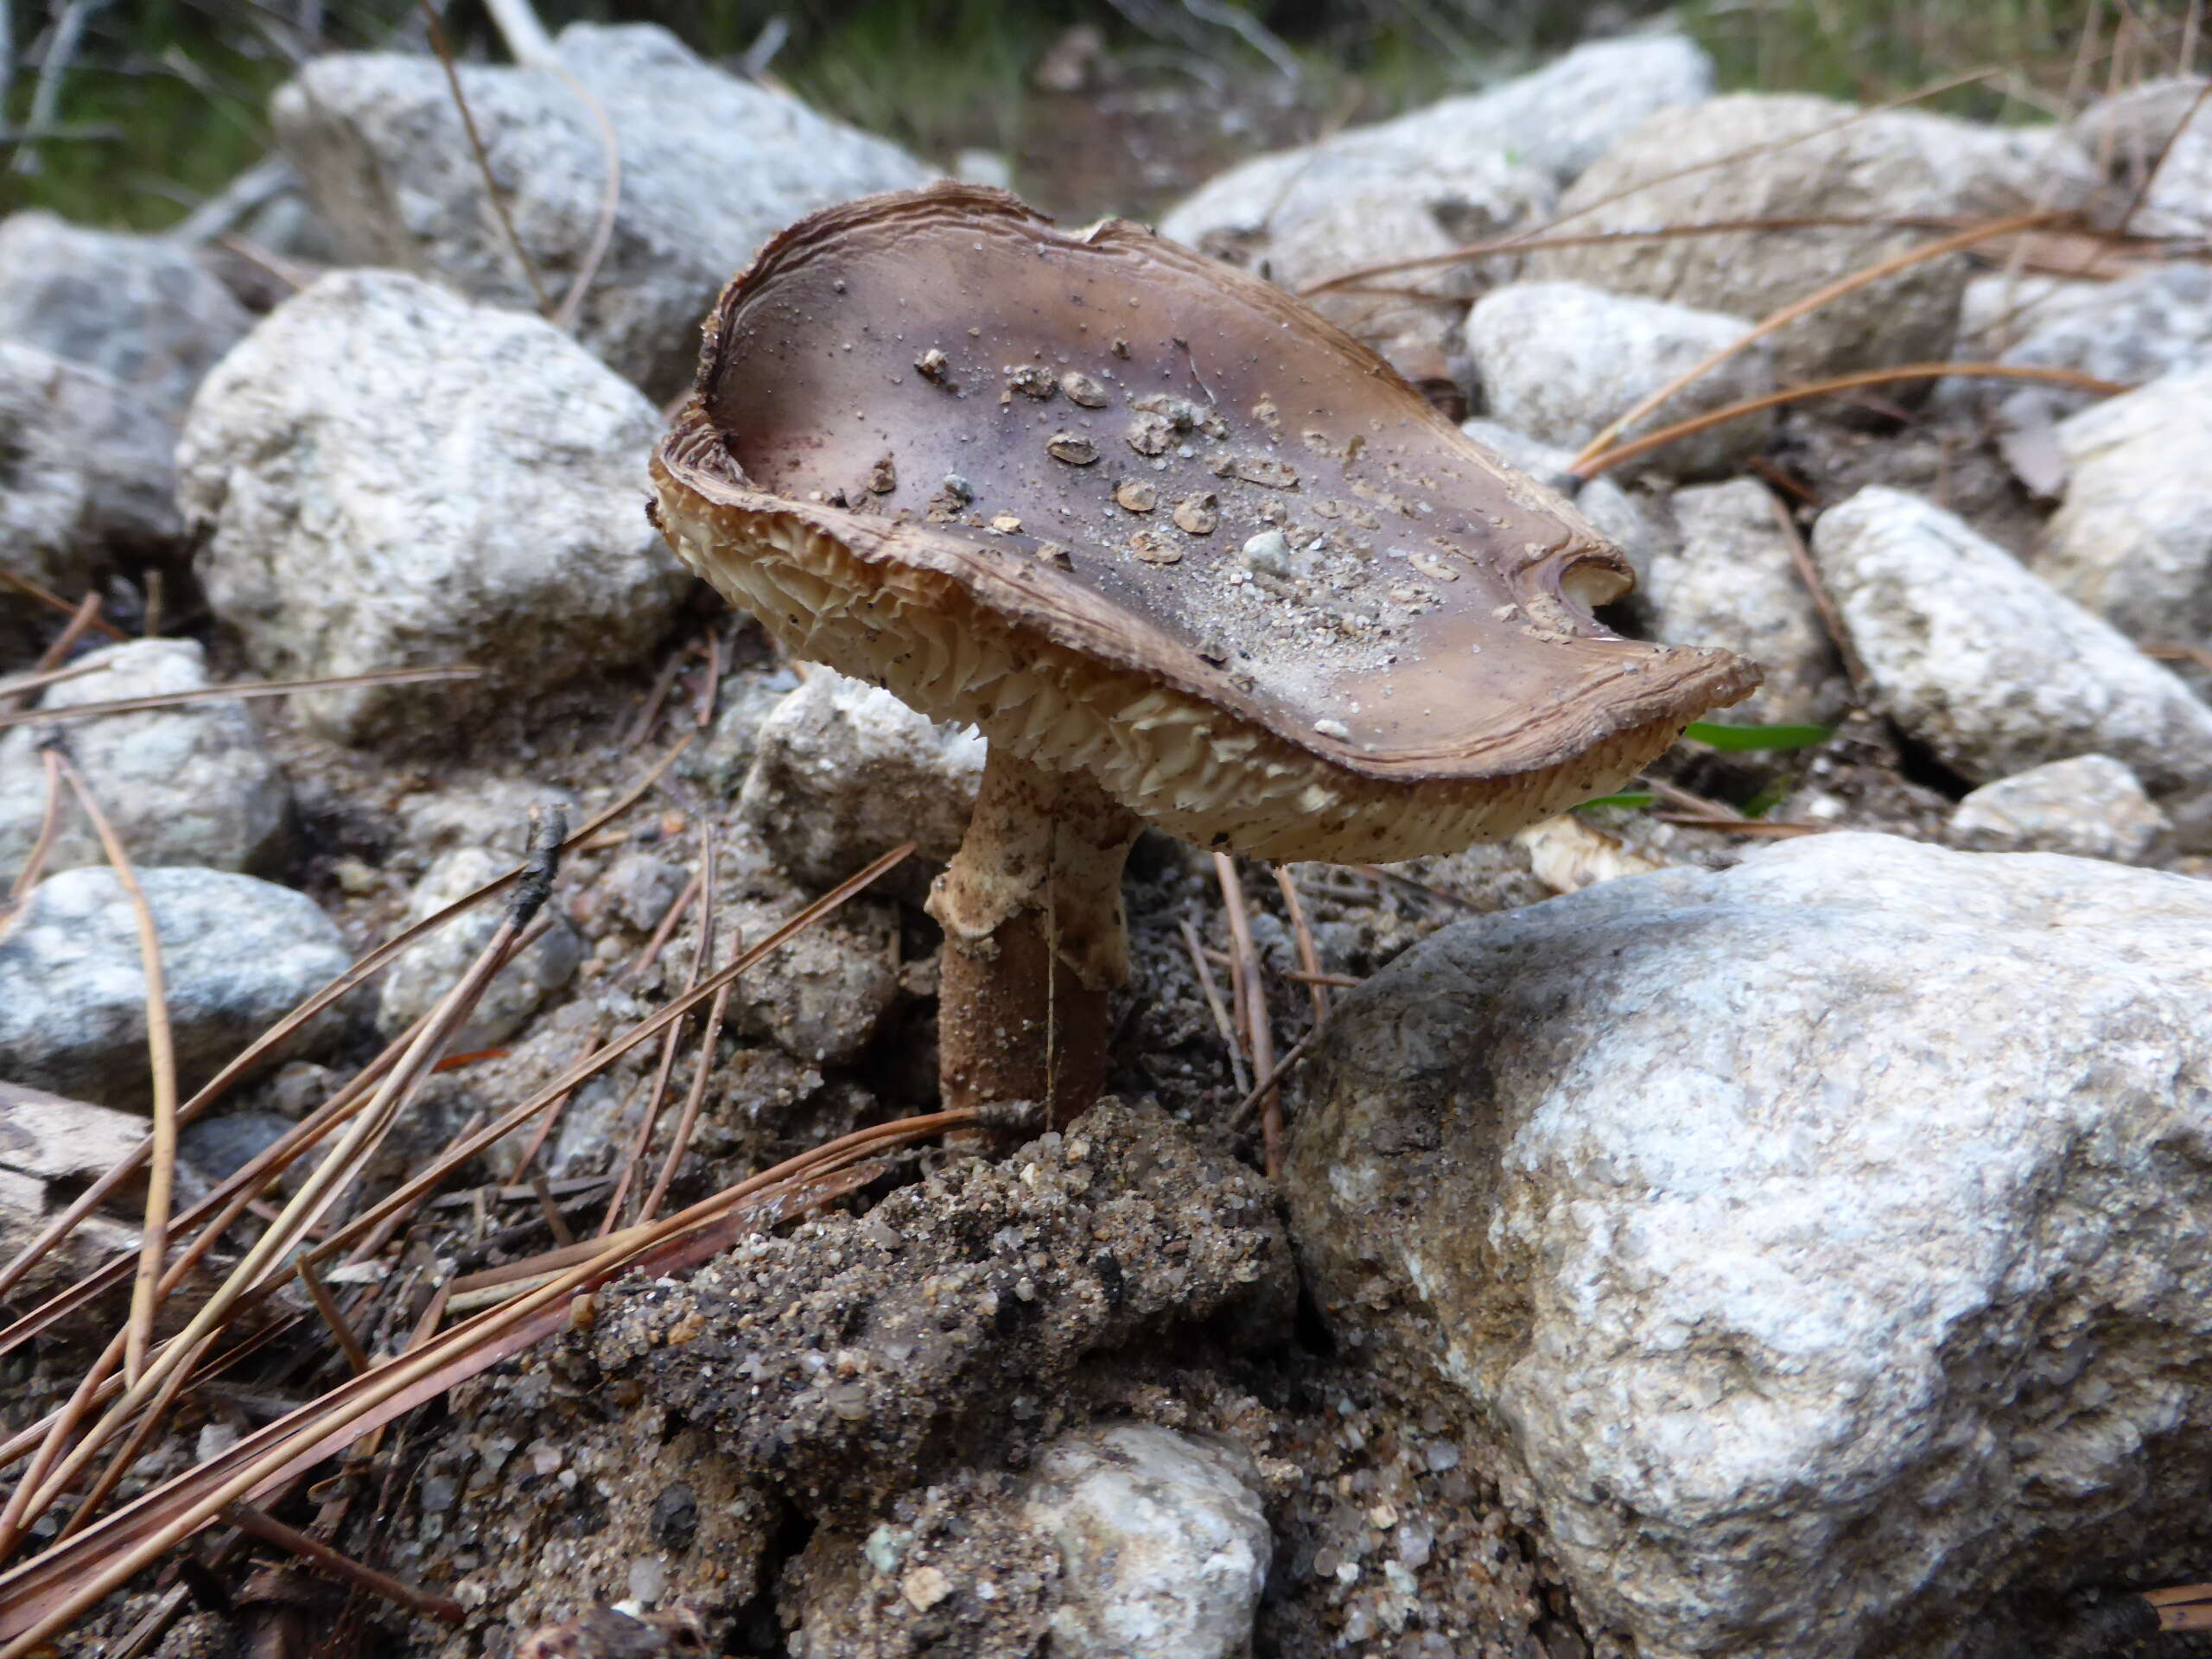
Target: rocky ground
1769 1219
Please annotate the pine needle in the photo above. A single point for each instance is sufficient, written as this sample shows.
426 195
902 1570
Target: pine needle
160 1049
1605 460
1789 313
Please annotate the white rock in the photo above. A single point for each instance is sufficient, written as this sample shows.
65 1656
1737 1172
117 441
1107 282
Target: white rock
1305 215
1787 156
141 309
2155 122
2088 807
1457 171
1611 511
89 474
1820 1237
2156 322
426 971
1997 671
2000 309
1561 360
191 785
1164 1546
1729 578
712 166
392 476
237 955
844 771
1556 121
2133 540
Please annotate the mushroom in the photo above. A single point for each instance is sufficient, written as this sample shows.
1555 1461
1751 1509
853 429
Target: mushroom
1381 645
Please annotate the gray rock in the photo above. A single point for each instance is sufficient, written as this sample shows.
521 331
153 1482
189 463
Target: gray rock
2088 807
52 1149
89 473
1818 1237
1730 580
1993 669
712 166
141 310
220 1147
638 888
237 955
192 785
1787 156
481 809
821 997
425 971
845 771
2155 122
1561 360
1610 509
723 758
1164 1545
2133 540
392 476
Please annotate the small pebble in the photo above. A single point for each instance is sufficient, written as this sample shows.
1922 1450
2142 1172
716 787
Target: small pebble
924 1587
1082 389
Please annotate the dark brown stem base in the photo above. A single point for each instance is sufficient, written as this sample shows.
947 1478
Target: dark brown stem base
1036 943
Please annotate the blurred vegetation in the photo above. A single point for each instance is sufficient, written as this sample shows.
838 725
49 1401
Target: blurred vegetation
162 101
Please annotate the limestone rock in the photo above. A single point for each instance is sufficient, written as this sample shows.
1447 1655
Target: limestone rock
238 955
844 771
189 784
1729 579
2089 807
1819 1237
1795 158
141 309
1561 360
2133 540
1164 1546
390 476
712 166
425 971
1997 671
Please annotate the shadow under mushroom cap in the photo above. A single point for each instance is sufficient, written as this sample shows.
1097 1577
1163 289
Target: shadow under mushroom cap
1131 511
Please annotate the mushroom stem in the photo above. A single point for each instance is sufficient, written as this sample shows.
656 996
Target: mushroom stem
1035 942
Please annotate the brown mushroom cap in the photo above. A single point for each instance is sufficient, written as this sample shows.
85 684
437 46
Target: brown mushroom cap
1012 473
